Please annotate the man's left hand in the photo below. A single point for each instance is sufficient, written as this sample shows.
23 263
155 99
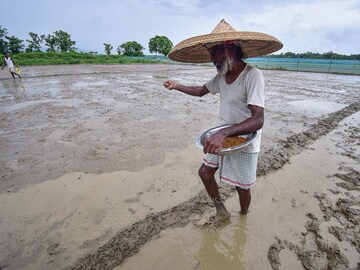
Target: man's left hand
214 143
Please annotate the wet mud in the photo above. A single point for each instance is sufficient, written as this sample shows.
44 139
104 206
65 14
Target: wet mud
93 120
313 252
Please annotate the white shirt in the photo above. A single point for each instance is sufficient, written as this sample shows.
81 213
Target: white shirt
247 89
9 62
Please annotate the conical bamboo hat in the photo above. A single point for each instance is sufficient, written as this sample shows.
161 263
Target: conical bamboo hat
253 44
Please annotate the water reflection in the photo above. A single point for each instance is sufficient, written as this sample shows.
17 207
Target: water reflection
18 89
223 248
13 88
194 248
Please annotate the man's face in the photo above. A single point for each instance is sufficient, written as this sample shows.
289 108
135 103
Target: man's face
221 57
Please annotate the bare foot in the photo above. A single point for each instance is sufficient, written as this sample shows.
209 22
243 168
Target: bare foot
221 216
244 213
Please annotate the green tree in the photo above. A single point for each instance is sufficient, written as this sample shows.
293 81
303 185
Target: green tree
35 42
160 44
64 42
50 41
59 41
290 55
108 48
131 48
15 45
3 42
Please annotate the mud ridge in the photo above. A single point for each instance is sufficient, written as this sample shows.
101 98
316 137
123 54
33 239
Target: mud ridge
74 74
322 255
279 155
128 241
312 251
340 217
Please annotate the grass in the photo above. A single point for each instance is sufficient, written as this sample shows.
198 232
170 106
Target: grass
49 58
57 58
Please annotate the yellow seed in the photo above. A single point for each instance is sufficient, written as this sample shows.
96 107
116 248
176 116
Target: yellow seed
233 141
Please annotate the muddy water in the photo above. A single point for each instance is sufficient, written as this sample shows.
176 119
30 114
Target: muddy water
66 217
104 159
194 247
282 202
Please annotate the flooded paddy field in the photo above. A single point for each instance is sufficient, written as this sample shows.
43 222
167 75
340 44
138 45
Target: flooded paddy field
98 170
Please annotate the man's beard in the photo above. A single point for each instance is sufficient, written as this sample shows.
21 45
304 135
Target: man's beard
225 67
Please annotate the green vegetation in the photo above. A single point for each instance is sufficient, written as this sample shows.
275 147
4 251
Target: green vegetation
160 44
53 58
311 55
60 41
35 42
108 48
60 50
131 48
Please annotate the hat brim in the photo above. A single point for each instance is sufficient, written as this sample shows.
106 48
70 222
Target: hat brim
253 44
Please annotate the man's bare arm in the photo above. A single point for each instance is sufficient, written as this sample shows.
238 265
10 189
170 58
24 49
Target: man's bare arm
197 91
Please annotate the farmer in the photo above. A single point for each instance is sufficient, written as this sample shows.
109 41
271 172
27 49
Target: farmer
242 102
11 66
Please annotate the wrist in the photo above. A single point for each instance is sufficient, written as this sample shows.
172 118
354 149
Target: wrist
224 133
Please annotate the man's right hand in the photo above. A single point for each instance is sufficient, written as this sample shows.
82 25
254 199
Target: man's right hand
170 85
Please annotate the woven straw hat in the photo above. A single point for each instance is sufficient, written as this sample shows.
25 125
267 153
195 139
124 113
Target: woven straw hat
253 44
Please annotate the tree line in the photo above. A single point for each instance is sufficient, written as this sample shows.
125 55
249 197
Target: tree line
311 55
60 41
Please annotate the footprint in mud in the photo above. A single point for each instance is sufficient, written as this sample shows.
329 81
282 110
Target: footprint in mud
208 220
133 199
98 217
146 190
205 219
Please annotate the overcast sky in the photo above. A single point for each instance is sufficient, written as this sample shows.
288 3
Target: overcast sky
302 25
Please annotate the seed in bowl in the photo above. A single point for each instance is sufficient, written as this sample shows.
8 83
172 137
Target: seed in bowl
233 141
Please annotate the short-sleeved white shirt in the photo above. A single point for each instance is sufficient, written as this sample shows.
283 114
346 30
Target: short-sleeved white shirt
9 62
247 89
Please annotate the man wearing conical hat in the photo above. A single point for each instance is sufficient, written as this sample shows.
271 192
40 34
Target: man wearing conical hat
242 103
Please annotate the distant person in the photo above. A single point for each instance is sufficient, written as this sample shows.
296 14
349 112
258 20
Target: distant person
242 103
10 64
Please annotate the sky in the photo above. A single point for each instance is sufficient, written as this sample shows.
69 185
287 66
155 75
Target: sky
301 25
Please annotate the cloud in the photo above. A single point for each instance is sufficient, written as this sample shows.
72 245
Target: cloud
313 27
302 25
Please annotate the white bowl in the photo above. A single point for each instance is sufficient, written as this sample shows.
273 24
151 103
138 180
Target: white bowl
225 151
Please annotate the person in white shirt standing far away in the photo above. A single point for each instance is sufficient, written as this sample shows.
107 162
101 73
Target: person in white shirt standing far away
10 64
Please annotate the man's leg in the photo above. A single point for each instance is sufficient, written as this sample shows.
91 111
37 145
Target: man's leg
245 199
12 74
207 175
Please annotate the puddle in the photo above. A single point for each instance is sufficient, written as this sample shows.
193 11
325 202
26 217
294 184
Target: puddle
81 207
193 247
24 105
316 108
13 88
82 84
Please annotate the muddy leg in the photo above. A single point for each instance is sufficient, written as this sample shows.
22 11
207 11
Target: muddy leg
207 176
14 73
245 199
